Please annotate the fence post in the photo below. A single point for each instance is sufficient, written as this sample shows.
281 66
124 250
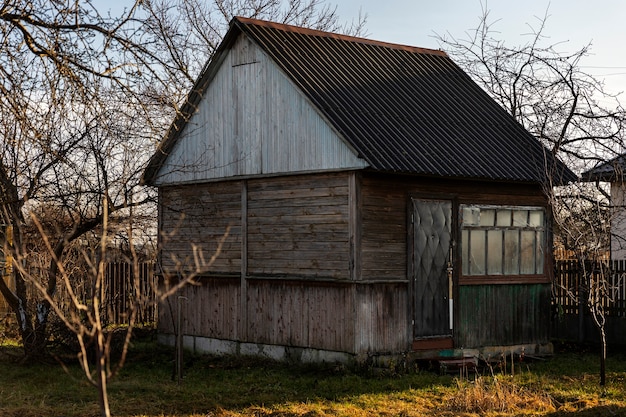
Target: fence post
179 340
582 297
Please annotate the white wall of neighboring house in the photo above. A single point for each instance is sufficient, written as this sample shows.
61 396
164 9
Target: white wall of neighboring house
618 220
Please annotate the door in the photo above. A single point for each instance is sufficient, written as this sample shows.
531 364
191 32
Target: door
432 269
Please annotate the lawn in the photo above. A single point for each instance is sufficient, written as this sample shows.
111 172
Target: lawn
564 385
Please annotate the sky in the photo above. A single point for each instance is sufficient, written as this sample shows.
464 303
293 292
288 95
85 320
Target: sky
576 23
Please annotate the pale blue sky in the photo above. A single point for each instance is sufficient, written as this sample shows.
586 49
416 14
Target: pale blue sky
575 22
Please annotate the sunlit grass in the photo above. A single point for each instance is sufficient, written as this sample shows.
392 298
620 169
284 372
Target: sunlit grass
234 387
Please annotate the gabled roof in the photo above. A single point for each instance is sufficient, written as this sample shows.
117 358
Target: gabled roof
402 109
609 171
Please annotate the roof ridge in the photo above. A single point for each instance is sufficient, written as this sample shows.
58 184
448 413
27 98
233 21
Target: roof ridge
315 32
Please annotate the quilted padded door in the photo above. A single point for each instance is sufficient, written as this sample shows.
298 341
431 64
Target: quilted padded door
431 259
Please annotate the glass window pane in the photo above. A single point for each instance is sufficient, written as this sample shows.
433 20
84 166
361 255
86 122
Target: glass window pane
511 252
471 216
477 252
539 253
520 218
504 218
494 252
502 241
527 262
465 251
535 218
487 217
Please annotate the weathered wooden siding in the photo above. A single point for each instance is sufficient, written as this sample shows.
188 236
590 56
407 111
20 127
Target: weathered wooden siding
384 212
382 318
252 120
298 284
348 317
301 313
383 229
201 216
298 226
486 314
209 309
496 315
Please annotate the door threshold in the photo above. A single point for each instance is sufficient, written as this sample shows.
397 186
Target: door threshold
443 342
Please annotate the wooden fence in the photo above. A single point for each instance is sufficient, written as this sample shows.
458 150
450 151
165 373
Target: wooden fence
572 319
122 286
572 283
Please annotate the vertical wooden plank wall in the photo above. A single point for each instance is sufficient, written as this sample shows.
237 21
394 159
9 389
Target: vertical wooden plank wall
300 313
209 309
500 315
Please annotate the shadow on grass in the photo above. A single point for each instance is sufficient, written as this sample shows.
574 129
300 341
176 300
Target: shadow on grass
233 386
596 411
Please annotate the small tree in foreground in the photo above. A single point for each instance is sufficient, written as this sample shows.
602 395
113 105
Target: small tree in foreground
99 355
585 230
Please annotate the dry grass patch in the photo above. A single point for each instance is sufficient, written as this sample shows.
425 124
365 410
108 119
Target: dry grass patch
498 394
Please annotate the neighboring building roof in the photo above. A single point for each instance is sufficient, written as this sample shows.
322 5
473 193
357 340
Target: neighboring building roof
608 171
403 109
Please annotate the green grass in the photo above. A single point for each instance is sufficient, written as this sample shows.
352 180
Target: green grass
566 385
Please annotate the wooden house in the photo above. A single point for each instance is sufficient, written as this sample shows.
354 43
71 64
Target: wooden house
372 200
613 173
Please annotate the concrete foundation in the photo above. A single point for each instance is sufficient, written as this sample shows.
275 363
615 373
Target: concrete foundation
199 344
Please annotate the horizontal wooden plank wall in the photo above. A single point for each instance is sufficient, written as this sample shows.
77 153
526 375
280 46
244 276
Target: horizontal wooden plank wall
201 215
383 230
384 202
298 226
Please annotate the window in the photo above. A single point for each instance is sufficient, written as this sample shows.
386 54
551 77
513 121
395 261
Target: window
499 240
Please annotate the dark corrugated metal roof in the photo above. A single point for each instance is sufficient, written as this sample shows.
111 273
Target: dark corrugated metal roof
613 170
403 109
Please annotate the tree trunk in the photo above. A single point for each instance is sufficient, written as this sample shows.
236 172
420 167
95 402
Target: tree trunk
34 344
102 375
35 338
602 357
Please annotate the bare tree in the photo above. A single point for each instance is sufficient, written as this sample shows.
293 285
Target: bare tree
100 355
543 86
186 33
64 134
85 96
